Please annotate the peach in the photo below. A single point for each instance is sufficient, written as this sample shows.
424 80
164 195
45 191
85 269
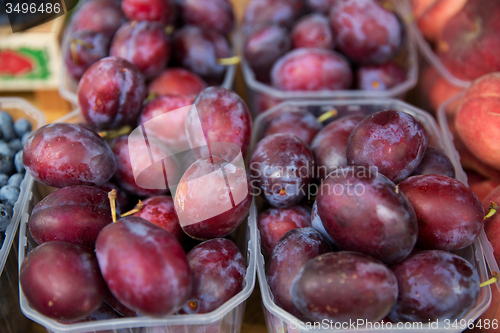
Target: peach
478 119
419 7
481 186
435 16
469 45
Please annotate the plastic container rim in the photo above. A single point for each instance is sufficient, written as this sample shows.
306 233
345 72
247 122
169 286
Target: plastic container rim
477 247
411 81
136 322
443 123
10 232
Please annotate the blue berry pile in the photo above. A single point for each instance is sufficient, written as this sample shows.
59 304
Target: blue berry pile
13 135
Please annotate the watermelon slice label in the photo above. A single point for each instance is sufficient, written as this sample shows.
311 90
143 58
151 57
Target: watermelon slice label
25 63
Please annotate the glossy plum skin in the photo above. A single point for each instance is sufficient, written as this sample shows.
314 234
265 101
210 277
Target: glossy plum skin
162 11
362 211
124 175
317 224
218 271
313 31
302 124
175 137
450 216
145 44
89 47
159 283
330 144
365 31
110 93
104 16
215 15
212 199
343 286
293 251
73 214
281 12
281 166
380 77
273 223
160 211
309 69
62 281
198 50
434 285
177 81
435 162
119 307
392 141
264 45
47 157
224 117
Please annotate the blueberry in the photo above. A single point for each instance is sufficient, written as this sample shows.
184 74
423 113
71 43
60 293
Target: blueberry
22 126
6 164
5 216
3 179
15 180
16 144
18 162
25 137
7 126
6 149
9 194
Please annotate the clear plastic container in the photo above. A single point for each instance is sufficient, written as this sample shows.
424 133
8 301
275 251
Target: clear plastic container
68 86
446 114
409 60
11 318
226 319
279 320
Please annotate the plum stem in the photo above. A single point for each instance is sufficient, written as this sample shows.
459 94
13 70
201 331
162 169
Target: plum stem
150 97
327 115
397 188
111 134
112 201
492 211
74 42
490 281
229 61
136 209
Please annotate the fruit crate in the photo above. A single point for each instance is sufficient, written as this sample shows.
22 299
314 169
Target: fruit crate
406 57
11 318
227 318
279 320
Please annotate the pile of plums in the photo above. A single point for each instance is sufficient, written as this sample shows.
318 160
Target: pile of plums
153 35
13 134
387 211
186 166
318 45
